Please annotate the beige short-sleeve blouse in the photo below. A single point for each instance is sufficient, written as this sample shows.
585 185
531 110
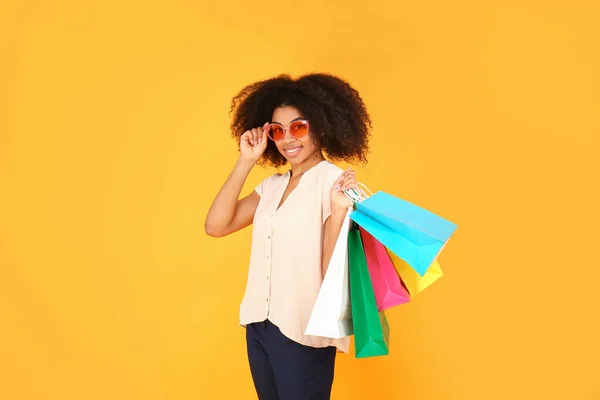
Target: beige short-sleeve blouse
285 272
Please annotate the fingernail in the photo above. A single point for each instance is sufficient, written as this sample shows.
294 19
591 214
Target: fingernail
336 187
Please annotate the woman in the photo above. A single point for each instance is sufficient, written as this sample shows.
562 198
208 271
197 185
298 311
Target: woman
297 217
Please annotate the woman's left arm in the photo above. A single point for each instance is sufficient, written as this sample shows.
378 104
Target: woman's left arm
339 207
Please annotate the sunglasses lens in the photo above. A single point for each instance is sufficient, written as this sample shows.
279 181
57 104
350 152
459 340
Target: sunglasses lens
299 128
276 132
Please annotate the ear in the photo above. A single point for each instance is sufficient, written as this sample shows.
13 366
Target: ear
318 139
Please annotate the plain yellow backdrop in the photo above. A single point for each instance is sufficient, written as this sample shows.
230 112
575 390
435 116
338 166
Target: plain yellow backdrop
114 140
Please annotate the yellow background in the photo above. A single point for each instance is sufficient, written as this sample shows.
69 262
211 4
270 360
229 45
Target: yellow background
114 139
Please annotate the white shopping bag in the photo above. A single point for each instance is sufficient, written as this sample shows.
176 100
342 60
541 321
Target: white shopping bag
332 313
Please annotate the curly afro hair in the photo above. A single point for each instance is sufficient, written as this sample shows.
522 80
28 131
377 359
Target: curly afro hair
338 117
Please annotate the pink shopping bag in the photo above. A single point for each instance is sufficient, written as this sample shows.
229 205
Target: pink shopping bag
387 284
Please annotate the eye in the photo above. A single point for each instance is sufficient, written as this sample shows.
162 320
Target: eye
299 128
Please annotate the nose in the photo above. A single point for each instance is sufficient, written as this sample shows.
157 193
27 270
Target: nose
287 135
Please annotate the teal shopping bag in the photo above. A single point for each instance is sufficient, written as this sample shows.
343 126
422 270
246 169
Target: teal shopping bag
371 329
413 233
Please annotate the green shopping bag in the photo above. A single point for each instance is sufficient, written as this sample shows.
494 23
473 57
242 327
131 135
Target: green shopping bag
371 329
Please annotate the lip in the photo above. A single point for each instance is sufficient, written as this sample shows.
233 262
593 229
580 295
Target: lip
292 151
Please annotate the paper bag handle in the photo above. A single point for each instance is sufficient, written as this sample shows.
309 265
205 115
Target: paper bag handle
357 197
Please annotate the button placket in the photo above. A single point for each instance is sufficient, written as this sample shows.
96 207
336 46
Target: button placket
269 248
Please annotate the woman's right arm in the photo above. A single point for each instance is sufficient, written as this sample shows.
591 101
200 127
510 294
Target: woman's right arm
227 214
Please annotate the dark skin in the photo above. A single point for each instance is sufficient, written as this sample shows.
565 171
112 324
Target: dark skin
339 121
228 214
339 127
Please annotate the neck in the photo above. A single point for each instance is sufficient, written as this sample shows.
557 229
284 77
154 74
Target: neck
300 168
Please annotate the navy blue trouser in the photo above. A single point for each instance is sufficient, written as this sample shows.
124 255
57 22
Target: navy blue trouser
286 370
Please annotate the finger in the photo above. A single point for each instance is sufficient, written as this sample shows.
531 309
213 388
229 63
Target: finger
349 171
255 135
350 185
347 176
265 132
348 180
336 184
246 137
350 174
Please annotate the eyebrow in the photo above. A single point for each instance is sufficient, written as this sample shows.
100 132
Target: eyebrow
295 119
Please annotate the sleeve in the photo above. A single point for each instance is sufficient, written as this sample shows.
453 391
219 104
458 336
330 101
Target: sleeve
263 186
328 182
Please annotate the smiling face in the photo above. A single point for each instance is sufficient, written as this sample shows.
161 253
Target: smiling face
295 150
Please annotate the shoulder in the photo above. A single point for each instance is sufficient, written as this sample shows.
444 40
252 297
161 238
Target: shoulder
325 178
270 182
278 176
329 173
331 168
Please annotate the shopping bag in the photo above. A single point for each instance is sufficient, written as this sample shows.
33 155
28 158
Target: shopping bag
414 282
331 315
414 234
387 285
371 329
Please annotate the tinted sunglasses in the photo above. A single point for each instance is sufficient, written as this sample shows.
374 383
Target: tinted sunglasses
297 129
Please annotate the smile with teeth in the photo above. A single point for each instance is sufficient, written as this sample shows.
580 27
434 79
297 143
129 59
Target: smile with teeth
292 151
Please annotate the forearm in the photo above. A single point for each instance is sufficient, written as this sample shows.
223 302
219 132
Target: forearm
333 226
222 210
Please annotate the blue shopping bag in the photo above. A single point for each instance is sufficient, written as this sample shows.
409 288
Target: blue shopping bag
413 233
